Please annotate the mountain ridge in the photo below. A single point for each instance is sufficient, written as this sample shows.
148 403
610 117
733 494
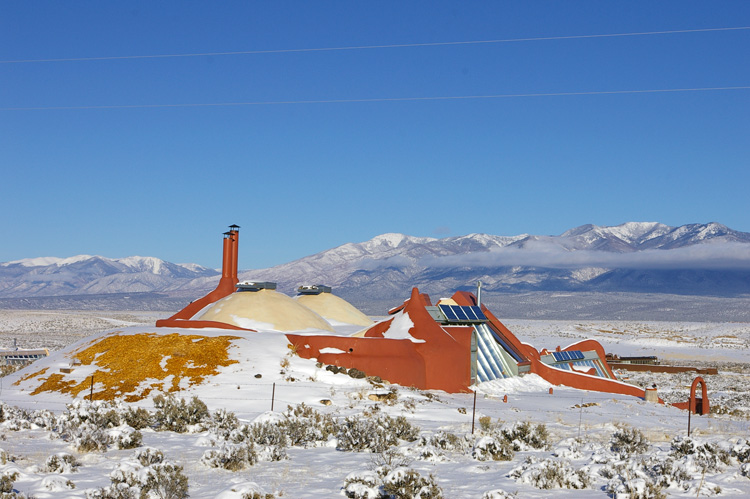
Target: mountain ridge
641 257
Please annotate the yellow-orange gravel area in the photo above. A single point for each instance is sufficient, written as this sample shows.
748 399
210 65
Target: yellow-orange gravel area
124 361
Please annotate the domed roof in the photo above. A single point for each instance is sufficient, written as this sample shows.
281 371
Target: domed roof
264 309
334 308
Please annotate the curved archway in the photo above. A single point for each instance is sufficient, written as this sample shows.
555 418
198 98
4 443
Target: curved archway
699 405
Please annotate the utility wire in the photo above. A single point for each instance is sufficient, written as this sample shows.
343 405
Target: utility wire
366 47
383 99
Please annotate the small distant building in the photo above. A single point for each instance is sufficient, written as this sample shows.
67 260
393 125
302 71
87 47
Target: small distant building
21 357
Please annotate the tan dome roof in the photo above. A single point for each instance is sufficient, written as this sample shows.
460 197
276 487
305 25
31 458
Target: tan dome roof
331 307
264 310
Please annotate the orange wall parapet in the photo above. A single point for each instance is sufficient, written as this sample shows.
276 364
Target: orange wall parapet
429 358
226 286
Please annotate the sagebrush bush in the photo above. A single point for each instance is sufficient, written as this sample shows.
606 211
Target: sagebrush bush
375 433
61 462
137 418
406 483
232 457
167 481
707 456
627 441
362 485
551 474
177 415
525 435
149 456
492 449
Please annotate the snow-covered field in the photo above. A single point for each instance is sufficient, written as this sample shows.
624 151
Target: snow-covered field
349 438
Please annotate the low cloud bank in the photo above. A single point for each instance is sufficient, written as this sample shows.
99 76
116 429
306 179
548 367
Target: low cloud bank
701 256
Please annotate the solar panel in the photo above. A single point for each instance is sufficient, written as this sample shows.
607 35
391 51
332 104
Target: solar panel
478 312
469 313
449 313
460 313
578 354
557 356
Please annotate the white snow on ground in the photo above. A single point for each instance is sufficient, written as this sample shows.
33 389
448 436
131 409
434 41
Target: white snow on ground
579 450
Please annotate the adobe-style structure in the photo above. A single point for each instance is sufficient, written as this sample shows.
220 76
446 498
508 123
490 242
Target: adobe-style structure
450 346
454 345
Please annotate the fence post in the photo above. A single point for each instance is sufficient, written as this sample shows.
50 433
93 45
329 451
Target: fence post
273 395
91 395
473 412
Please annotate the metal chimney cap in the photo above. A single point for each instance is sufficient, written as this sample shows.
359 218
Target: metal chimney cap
313 289
234 227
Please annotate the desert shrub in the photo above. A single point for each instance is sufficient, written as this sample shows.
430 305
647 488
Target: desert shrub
707 456
223 422
551 474
374 433
627 441
166 481
526 435
637 488
492 449
449 442
128 439
232 457
362 485
6 482
741 451
5 457
177 415
100 413
149 456
89 438
406 483
485 424
137 418
267 433
163 480
304 426
61 462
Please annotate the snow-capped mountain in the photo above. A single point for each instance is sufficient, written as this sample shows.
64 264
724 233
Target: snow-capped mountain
86 274
640 257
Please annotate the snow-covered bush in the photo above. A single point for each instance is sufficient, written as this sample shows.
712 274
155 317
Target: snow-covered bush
492 449
741 451
166 481
406 483
525 436
149 456
705 456
88 438
178 415
62 462
304 426
100 413
131 480
57 483
137 418
551 474
127 438
446 441
387 483
5 457
232 457
223 422
627 441
375 433
362 485
6 482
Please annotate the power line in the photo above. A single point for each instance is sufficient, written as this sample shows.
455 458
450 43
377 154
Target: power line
383 99
366 47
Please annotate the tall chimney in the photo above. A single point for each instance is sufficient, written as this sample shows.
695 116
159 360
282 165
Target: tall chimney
234 229
226 256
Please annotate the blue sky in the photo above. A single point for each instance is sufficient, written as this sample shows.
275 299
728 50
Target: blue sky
100 177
